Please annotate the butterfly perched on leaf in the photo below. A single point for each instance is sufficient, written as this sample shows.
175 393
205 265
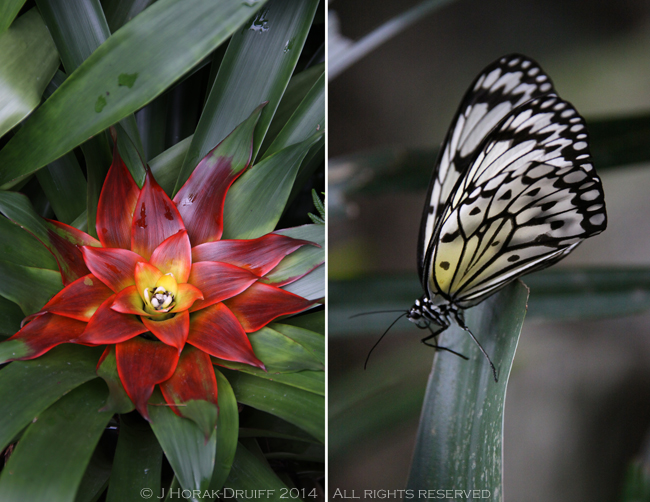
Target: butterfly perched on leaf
513 190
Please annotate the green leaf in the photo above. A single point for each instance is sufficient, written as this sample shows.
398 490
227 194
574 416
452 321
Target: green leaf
29 387
118 400
358 397
152 123
166 166
137 463
130 69
314 321
21 247
10 317
95 479
128 144
296 406
460 436
311 381
559 294
29 60
303 260
203 413
257 199
299 85
313 342
51 457
185 446
588 293
29 287
78 27
65 187
120 12
19 209
256 68
250 473
311 286
320 207
308 119
98 160
281 354
636 486
227 431
260 424
9 9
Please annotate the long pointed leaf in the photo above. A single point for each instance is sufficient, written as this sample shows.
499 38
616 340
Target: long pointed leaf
249 473
460 437
137 463
23 248
29 287
10 317
227 432
296 406
308 119
299 85
185 446
256 68
52 455
120 12
256 201
130 69
29 60
9 9
65 187
29 387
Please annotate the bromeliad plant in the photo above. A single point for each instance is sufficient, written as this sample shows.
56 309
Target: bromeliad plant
160 270
147 297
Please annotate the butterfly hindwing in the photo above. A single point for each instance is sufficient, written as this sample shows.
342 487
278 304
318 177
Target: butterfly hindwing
500 88
528 198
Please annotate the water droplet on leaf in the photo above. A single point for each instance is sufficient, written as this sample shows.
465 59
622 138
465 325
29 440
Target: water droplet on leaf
260 23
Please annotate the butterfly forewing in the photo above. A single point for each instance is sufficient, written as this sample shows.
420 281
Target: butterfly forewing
500 88
529 196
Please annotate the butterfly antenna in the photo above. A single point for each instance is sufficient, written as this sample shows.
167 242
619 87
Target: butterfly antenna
377 312
381 337
464 326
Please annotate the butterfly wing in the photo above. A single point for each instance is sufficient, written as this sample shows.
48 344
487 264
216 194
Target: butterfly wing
500 88
527 200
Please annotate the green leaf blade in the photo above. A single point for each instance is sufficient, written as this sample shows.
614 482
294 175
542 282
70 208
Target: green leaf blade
32 386
460 436
296 406
51 457
184 444
29 62
258 198
126 72
137 463
256 68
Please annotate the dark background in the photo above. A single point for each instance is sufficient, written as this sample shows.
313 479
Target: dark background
578 404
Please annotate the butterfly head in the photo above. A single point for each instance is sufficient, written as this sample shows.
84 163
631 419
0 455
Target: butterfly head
425 311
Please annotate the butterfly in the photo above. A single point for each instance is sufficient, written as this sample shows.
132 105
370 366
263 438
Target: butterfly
513 191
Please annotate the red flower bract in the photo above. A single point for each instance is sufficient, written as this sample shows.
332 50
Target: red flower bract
155 284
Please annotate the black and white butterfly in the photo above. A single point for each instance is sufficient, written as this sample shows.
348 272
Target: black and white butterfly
513 190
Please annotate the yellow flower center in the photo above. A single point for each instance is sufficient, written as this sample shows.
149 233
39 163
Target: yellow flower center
160 298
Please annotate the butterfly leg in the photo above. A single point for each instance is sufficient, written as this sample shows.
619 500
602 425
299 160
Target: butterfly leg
434 336
462 324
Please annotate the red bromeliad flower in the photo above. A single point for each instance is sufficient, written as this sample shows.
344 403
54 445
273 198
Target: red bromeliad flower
159 288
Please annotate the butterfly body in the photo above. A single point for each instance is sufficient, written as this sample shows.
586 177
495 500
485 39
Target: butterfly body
513 191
